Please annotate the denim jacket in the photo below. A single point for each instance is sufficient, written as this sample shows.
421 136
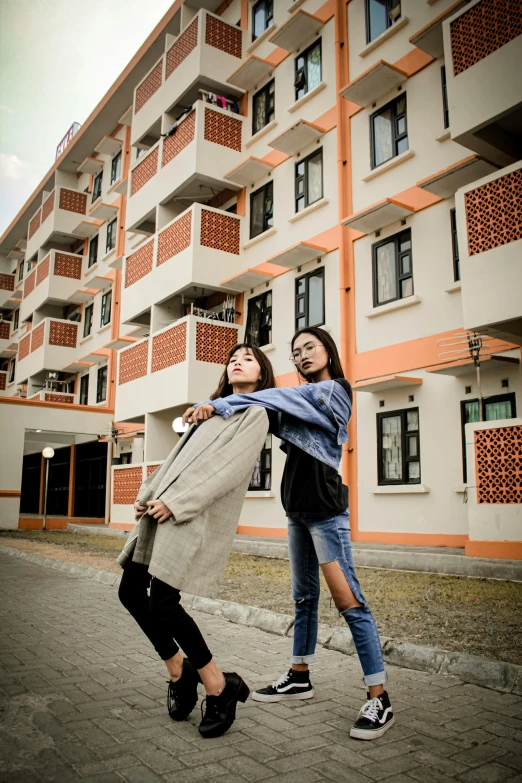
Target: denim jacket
313 417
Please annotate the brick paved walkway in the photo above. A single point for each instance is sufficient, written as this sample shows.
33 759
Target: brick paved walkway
83 699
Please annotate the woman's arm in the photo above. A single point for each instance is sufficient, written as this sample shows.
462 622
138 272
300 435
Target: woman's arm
213 474
311 403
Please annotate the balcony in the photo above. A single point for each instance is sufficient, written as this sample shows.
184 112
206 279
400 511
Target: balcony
175 366
50 345
3 383
489 225
203 54
7 287
191 164
63 214
50 395
199 247
483 52
55 280
6 341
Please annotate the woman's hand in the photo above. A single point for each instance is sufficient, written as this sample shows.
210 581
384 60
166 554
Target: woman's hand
195 415
138 510
159 511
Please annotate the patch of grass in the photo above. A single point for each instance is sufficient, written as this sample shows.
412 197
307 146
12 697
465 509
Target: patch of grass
479 616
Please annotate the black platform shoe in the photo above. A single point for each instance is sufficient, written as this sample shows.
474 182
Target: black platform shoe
182 695
220 711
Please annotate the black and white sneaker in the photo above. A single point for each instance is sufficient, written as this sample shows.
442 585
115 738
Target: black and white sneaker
375 718
292 685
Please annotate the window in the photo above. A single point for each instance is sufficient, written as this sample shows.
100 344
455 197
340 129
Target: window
20 270
126 458
12 370
381 14
93 251
84 390
101 385
309 300
308 70
398 447
106 308
445 109
309 180
263 107
232 209
259 320
16 320
502 406
262 209
116 168
97 186
262 475
87 320
111 236
262 17
389 133
455 244
392 269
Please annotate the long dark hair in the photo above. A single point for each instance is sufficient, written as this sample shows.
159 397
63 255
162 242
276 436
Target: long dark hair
267 380
335 367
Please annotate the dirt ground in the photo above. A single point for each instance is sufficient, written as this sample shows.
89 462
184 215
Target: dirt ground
479 616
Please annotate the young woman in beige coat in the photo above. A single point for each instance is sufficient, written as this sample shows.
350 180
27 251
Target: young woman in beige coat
188 511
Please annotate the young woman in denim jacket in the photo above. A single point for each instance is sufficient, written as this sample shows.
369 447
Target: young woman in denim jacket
312 421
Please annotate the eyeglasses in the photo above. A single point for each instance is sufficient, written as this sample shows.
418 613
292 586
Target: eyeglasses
307 352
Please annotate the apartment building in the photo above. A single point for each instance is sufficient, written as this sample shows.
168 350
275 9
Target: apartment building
264 166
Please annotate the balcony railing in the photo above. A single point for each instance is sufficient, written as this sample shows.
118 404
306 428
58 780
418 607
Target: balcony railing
481 30
208 46
64 211
175 365
50 395
57 277
7 286
3 383
50 345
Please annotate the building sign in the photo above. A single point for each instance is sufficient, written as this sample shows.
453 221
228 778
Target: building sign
75 127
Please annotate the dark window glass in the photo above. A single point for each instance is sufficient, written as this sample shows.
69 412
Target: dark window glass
87 320
116 168
309 300
97 186
445 109
263 107
259 320
111 236
262 209
262 17
455 244
398 447
309 180
93 251
308 70
392 268
502 406
16 320
262 476
20 271
389 132
12 370
106 308
101 386
232 209
380 14
84 390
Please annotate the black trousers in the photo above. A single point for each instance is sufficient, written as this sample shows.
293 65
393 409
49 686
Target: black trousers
161 616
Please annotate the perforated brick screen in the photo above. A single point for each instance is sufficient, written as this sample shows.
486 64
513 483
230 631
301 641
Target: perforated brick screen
3 381
214 342
133 362
185 132
126 485
5 330
34 223
151 469
24 346
144 171
73 201
63 334
37 337
139 264
498 455
482 30
222 129
494 213
223 36
170 347
29 284
148 87
7 282
68 266
174 238
50 397
42 270
180 49
222 232
48 206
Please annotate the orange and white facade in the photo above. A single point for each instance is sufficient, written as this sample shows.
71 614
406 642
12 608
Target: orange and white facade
354 165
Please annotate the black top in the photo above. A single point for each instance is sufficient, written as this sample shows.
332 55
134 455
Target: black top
309 487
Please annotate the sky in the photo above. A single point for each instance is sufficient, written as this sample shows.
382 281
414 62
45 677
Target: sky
57 60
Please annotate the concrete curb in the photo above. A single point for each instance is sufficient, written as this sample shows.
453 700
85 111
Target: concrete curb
400 560
495 675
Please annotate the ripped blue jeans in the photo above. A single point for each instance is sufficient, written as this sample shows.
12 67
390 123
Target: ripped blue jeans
310 543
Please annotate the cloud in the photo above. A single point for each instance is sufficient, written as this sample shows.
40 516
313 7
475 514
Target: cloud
13 169
6 109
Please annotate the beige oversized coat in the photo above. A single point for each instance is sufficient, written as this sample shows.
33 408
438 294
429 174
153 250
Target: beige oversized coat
203 483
